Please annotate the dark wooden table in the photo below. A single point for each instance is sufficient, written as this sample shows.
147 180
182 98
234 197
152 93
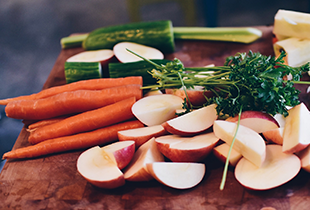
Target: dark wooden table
53 182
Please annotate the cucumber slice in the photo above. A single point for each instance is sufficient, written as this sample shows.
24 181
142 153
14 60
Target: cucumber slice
157 34
138 68
76 71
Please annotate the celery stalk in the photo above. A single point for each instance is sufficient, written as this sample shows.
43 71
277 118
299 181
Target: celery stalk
229 34
73 41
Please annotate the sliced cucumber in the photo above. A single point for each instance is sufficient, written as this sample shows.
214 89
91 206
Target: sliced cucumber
157 34
138 68
76 71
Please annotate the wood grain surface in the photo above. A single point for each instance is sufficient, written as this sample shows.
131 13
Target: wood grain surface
52 182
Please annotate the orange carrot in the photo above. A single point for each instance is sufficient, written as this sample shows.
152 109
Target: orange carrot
86 121
41 123
79 141
92 84
70 102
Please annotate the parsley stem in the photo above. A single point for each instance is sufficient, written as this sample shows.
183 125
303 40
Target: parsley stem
229 152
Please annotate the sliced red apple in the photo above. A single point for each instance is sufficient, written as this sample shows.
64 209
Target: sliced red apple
153 92
123 152
192 123
100 166
177 175
247 142
280 119
197 97
156 109
124 56
186 149
102 56
296 130
147 153
141 135
274 135
221 152
258 121
277 169
304 156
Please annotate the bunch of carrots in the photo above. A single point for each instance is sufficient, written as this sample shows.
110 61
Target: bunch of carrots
75 116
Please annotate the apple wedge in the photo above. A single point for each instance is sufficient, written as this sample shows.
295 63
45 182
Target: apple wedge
141 135
122 152
102 56
257 121
192 123
221 152
296 130
177 175
156 109
304 156
274 135
124 56
136 171
101 165
197 97
247 142
277 169
186 149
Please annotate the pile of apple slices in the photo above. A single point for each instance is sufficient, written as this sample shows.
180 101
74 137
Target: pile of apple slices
172 148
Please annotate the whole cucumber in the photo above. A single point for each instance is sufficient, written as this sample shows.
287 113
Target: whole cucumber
157 34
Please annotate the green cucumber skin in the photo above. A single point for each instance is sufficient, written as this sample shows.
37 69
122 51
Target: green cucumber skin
157 34
76 71
138 68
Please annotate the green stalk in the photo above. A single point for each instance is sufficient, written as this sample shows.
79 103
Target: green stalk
73 41
227 34
229 152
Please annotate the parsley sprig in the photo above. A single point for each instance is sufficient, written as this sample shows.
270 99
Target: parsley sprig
249 80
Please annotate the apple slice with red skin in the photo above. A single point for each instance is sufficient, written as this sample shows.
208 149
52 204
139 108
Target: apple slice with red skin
247 142
156 109
221 152
192 123
277 169
101 165
102 56
304 156
141 135
274 135
296 130
197 97
186 149
123 152
177 175
257 121
124 56
136 171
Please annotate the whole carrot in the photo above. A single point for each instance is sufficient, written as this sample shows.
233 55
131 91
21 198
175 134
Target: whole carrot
74 142
41 123
70 102
86 121
92 84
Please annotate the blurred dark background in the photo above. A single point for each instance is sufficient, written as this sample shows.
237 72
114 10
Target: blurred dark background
30 32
